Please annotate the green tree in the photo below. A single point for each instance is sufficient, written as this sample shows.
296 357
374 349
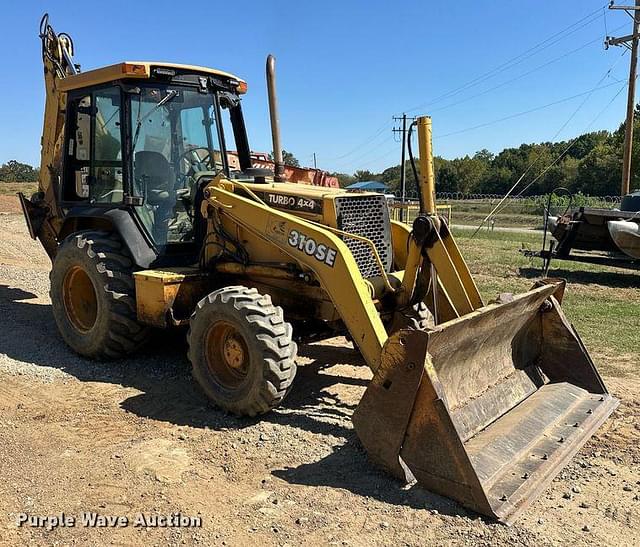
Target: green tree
363 175
14 171
599 173
343 179
290 159
287 157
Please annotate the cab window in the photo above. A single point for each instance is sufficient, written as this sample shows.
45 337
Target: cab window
93 169
174 139
106 182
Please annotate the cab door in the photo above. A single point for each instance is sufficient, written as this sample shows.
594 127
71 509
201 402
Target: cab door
93 167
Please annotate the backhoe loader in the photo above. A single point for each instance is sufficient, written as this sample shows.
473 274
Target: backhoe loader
148 226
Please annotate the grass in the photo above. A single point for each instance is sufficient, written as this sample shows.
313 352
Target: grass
603 303
502 220
12 188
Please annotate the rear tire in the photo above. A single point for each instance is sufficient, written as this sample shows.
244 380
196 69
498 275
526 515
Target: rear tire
93 296
241 350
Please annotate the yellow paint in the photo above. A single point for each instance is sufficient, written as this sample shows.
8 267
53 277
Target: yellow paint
400 234
427 177
340 277
159 292
132 69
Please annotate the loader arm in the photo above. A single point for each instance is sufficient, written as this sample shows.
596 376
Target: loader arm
318 250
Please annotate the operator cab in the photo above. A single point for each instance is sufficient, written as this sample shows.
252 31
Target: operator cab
141 136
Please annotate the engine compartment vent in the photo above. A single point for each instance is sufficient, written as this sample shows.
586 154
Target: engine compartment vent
366 216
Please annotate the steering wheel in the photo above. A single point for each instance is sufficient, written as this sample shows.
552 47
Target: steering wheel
195 161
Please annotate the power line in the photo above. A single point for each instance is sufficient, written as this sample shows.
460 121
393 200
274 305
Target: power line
525 112
368 151
378 132
498 207
498 86
573 141
382 156
360 158
541 46
586 20
604 77
587 93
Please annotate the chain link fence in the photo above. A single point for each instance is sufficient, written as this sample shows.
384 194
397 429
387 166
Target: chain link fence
516 211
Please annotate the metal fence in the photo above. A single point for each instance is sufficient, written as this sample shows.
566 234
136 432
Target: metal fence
525 211
408 211
461 196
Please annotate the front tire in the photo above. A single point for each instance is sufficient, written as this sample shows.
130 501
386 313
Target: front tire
241 350
93 296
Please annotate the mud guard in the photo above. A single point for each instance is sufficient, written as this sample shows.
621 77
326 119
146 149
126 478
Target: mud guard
487 408
39 225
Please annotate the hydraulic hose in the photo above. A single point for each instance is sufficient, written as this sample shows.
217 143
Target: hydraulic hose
413 164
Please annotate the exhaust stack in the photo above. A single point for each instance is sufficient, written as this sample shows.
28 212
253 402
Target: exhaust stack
275 119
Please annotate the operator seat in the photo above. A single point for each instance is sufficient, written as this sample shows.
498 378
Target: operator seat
153 172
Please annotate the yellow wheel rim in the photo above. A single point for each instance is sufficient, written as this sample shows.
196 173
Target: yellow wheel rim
80 299
227 354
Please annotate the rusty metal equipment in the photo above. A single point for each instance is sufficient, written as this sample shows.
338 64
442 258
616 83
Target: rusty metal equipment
606 237
505 396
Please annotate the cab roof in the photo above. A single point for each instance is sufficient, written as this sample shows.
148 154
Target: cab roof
135 69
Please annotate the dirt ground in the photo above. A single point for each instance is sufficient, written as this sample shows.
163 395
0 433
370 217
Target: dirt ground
136 437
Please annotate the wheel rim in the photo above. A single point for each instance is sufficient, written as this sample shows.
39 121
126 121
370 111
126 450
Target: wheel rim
80 299
227 355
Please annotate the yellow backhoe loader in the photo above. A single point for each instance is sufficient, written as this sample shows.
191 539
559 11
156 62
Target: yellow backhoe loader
148 226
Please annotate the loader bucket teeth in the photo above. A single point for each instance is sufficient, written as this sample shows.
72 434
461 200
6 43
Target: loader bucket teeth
487 408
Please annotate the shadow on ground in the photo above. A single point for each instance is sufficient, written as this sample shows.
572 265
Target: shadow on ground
161 373
613 279
348 467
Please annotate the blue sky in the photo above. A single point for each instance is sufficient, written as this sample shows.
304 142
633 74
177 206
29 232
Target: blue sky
346 67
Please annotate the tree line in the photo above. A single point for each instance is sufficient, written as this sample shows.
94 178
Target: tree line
591 165
14 171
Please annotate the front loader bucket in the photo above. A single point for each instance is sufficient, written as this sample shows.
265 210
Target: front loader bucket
487 408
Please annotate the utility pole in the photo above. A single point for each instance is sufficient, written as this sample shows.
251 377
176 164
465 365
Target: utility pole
403 171
630 41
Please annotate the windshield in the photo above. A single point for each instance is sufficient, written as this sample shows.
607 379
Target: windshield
175 136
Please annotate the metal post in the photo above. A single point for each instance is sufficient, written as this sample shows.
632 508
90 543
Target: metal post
315 164
275 119
403 171
631 103
427 184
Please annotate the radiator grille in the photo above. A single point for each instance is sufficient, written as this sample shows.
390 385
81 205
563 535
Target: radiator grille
366 216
